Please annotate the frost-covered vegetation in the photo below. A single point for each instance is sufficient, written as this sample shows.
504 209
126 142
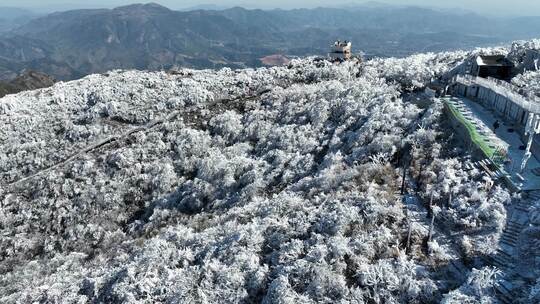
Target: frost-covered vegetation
528 82
526 56
277 185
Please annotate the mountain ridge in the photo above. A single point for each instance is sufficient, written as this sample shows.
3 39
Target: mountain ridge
271 185
151 36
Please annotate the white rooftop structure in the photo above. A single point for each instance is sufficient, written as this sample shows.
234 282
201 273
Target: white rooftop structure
341 50
492 60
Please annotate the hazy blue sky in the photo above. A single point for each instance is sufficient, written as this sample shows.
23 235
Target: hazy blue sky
519 7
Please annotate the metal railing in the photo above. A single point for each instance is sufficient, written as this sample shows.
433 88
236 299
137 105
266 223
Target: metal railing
511 92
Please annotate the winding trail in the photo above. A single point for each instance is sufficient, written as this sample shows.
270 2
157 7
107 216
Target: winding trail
125 135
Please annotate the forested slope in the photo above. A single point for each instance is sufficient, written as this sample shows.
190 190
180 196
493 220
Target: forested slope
276 185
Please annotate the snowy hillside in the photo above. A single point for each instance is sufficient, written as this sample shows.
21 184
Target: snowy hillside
277 185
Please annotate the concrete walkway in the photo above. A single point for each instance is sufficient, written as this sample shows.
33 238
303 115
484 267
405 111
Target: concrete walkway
507 257
483 119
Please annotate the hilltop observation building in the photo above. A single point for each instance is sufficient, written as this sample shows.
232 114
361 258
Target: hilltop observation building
341 50
495 66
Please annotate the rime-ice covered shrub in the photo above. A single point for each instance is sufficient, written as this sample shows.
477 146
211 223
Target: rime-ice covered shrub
519 51
529 83
462 200
523 45
272 185
416 71
479 288
469 204
534 295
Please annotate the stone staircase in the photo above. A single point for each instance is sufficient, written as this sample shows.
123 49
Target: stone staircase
485 165
504 289
516 223
505 258
534 196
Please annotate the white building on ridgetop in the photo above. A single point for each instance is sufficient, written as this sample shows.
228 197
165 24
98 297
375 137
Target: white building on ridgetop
341 50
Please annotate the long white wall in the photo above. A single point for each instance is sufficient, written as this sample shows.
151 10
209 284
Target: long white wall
502 97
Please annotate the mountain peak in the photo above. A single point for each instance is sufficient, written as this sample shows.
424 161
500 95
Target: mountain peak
143 7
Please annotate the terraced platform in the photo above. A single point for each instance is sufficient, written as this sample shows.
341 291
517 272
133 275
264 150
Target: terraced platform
502 148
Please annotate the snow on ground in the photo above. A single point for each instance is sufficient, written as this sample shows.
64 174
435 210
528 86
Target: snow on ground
526 56
502 138
529 83
276 185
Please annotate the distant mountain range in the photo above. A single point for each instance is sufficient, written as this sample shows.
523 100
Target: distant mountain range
75 43
12 17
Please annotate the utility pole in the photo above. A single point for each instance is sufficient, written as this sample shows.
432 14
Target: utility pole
406 162
404 159
408 248
403 179
430 234
532 128
430 206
